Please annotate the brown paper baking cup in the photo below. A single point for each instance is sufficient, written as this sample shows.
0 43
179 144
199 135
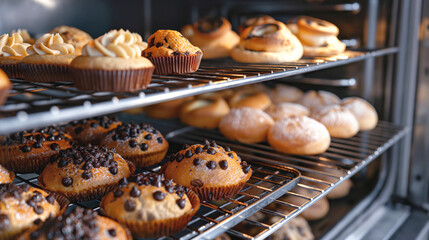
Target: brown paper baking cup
45 72
218 193
12 70
165 227
147 159
4 94
176 64
111 80
28 163
62 200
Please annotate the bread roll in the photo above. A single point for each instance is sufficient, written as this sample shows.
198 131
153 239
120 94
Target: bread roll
339 121
285 110
363 111
204 113
316 99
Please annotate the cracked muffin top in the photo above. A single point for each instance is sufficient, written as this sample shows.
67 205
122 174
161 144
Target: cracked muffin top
164 43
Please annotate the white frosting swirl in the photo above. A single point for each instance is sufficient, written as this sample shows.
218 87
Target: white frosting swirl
50 44
13 45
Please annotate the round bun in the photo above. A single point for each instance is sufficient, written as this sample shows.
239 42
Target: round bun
250 98
285 110
139 143
74 36
166 110
79 223
316 26
212 171
299 135
296 229
92 130
316 99
364 112
225 94
5 86
284 93
6 176
21 206
341 190
261 20
340 122
246 125
268 43
204 113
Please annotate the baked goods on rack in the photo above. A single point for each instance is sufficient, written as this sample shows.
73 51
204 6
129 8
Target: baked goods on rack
79 223
212 171
12 50
22 207
84 173
284 93
299 135
316 211
213 36
250 98
166 110
30 151
6 176
285 110
5 86
204 113
150 206
172 53
267 43
26 37
139 143
364 112
255 21
315 99
296 229
318 37
73 36
246 125
339 121
92 130
112 63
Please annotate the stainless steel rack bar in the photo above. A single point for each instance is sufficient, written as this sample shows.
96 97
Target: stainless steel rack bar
32 105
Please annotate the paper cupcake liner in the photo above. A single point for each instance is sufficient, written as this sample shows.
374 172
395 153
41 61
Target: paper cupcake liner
45 72
165 227
62 200
146 159
28 163
111 81
12 70
176 64
217 193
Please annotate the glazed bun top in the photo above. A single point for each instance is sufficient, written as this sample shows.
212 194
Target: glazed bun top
211 27
261 20
316 26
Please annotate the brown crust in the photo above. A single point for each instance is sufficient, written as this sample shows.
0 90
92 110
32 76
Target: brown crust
252 99
224 28
148 158
319 27
89 134
176 64
45 72
255 21
206 115
165 110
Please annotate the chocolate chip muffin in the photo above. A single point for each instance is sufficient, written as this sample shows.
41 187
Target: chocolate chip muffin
21 207
84 173
29 151
6 176
92 130
139 143
212 171
150 206
172 53
79 224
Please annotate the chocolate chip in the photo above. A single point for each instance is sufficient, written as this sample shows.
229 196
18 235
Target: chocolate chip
25 149
158 44
176 53
93 124
112 232
188 153
230 155
152 42
67 181
211 165
211 151
223 164
135 192
179 157
213 144
78 130
148 54
246 168
37 221
4 221
186 53
37 197
227 149
38 144
206 146
133 143
197 183
62 163
158 195
129 205
169 189
118 193
55 146
143 146
197 161
50 199
86 175
113 170
87 166
159 140
38 209
198 150
181 203
148 137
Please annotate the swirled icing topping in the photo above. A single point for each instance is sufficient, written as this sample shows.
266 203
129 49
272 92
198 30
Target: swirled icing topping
24 34
116 43
50 44
13 45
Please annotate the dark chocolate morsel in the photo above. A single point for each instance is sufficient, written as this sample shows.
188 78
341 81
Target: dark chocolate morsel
118 193
158 195
38 209
198 150
197 161
230 155
129 205
181 203
143 146
227 149
135 192
78 130
133 143
211 151
223 164
159 140
67 181
55 146
113 170
112 232
25 149
188 153
211 165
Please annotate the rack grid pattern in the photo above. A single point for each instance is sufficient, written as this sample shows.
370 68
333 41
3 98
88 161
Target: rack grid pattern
32 105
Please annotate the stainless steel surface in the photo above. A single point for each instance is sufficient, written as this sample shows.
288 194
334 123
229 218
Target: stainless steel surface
346 82
39 104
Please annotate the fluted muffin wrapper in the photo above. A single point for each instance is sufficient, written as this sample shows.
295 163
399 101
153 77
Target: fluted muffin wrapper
176 64
3 94
164 227
12 70
45 72
28 163
146 159
112 80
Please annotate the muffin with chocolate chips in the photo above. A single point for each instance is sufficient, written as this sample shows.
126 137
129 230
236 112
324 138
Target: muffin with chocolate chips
29 151
21 207
139 143
92 130
79 224
84 173
150 206
172 53
6 176
212 171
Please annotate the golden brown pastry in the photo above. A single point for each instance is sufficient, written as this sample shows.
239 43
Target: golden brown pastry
5 86
285 110
261 20
150 206
250 98
284 93
73 36
317 99
6 176
339 121
364 112
246 125
212 171
299 135
84 173
166 110
204 113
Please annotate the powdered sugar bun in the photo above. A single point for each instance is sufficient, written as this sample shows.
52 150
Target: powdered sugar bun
316 99
299 135
339 121
363 111
284 93
247 125
280 111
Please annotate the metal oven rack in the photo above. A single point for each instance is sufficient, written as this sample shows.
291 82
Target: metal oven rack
32 105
